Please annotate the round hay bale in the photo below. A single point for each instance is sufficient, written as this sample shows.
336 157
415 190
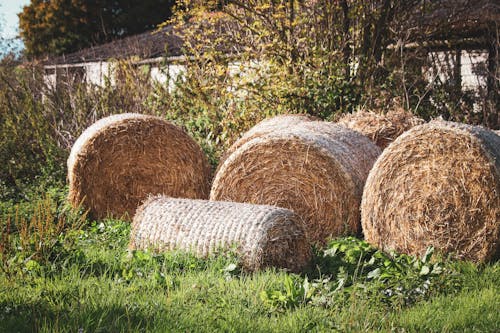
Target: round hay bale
264 127
381 128
436 185
118 161
264 235
316 169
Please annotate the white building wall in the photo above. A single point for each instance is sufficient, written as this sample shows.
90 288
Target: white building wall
175 72
159 75
473 71
472 67
243 74
98 72
50 80
168 74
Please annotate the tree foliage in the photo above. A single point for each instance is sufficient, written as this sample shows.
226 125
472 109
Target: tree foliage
60 26
320 57
316 56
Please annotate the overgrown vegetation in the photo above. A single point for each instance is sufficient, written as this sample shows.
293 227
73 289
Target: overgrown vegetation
84 278
61 271
322 57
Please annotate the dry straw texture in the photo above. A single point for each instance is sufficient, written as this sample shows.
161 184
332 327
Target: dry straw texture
263 235
266 126
381 128
436 185
118 161
316 169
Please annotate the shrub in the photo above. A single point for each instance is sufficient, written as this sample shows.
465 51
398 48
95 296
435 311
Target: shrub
27 148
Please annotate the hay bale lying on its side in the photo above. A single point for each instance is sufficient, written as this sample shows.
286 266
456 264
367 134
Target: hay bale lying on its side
316 169
436 185
266 126
118 161
381 128
264 235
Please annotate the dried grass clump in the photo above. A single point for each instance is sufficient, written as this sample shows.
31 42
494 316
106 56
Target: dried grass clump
436 185
264 235
381 128
118 161
316 169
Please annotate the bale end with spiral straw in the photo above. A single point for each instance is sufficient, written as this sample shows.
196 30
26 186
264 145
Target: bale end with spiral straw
118 161
316 169
436 185
267 126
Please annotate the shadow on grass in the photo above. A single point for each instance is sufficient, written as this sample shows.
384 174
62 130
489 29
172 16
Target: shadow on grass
40 316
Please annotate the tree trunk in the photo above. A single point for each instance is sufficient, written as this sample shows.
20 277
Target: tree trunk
492 102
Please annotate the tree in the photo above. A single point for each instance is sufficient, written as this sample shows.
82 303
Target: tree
327 57
54 27
322 57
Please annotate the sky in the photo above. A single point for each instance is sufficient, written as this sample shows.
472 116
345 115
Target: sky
8 18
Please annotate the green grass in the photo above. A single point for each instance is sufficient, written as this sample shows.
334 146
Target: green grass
470 311
90 281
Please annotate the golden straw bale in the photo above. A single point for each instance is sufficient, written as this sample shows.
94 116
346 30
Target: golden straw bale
381 128
272 124
436 185
118 161
316 169
266 126
264 235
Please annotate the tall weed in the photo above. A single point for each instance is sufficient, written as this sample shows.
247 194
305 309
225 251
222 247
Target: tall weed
36 234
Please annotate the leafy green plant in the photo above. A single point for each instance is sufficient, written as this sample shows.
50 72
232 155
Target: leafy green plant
349 267
291 295
395 279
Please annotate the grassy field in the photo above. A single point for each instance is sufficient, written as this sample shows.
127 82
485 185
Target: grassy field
63 273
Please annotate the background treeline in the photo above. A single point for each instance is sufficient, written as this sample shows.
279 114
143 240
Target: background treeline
64 26
328 57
